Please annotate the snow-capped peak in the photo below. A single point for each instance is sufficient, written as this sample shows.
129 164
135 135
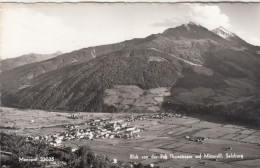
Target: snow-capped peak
222 32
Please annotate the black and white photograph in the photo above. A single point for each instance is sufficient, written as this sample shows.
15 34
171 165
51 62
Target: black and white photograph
130 85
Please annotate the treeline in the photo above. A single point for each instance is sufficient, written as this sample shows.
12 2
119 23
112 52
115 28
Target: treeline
18 146
247 113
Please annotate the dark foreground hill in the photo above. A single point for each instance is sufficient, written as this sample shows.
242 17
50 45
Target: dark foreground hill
195 65
15 148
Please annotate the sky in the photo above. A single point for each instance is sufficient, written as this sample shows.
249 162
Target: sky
46 28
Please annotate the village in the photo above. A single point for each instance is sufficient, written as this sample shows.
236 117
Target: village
95 129
100 129
118 135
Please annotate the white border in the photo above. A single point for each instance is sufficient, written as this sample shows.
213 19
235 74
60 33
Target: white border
125 1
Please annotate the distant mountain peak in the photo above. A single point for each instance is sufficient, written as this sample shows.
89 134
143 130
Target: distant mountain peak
189 25
11 63
222 32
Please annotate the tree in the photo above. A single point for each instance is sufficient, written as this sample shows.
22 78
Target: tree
139 165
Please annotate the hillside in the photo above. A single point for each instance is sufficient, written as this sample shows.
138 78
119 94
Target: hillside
81 87
196 66
22 76
188 49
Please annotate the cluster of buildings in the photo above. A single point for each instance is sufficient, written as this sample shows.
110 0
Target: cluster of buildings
196 139
166 115
101 129
135 118
155 116
96 129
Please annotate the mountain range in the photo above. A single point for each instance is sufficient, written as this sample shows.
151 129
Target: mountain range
187 65
11 63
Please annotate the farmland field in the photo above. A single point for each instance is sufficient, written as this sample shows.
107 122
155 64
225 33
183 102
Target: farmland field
172 136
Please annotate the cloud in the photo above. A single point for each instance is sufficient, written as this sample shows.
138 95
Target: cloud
209 16
25 31
47 29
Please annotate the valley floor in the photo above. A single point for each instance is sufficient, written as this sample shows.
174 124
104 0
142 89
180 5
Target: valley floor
161 136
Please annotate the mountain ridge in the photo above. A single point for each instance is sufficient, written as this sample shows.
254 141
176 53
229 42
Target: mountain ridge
196 65
11 63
